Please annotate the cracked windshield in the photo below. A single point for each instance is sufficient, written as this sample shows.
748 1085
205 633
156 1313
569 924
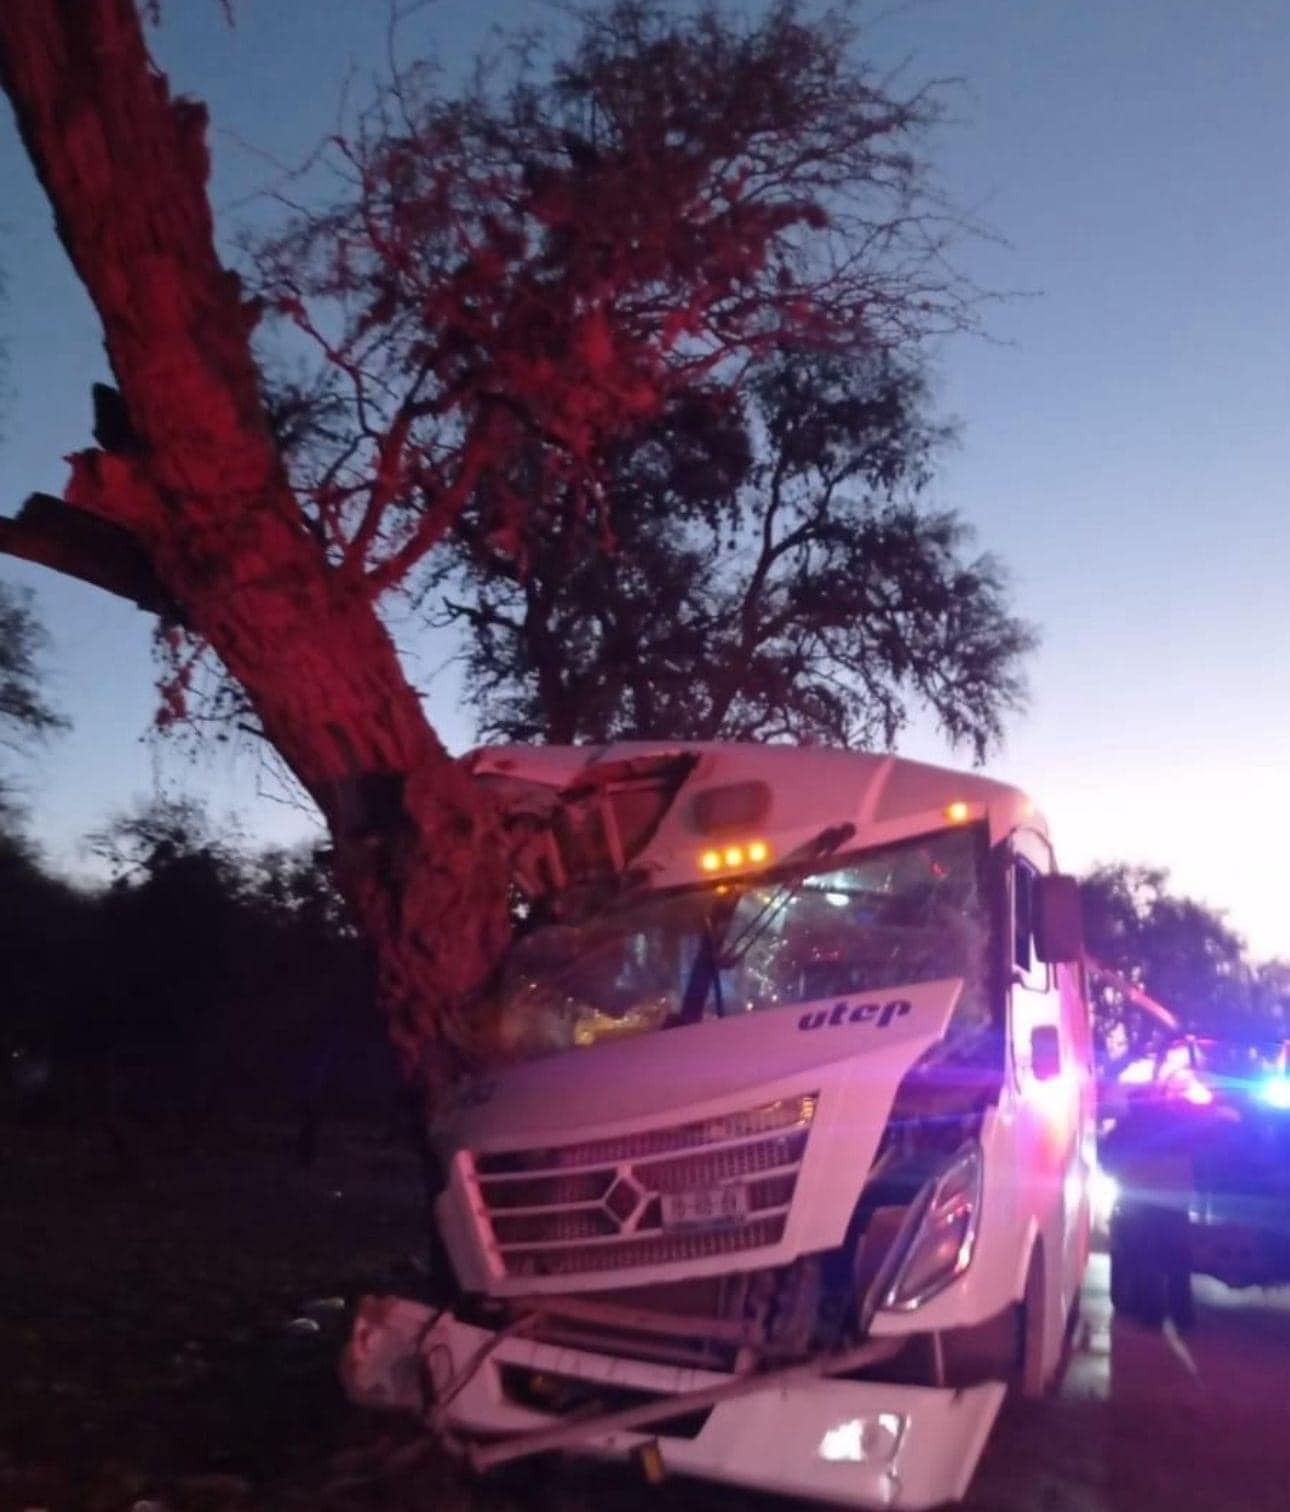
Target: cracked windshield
904 913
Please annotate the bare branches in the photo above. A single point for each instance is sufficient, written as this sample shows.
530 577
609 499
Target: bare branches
25 714
542 264
804 595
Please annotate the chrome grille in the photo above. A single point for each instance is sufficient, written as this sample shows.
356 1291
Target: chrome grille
660 1249
548 1191
713 1167
787 1113
559 1228
597 1206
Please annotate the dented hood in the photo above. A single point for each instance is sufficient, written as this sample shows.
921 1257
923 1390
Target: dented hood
699 1069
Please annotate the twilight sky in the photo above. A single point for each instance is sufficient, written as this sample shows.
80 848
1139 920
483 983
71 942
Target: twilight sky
1124 437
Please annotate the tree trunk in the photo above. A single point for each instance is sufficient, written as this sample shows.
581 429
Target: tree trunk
199 486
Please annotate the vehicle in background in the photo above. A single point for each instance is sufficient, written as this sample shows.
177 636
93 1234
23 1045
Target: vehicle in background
1200 1069
789 1181
1198 1149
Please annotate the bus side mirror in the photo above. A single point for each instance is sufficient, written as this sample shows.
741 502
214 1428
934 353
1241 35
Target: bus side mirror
1059 921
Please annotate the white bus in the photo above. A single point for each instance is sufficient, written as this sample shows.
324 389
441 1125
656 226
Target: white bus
786 1182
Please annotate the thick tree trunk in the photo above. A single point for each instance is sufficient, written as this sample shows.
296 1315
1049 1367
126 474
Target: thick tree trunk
201 489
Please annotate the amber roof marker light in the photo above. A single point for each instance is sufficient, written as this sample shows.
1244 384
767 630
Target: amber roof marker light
730 858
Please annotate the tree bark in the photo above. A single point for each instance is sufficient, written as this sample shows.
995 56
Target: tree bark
51 533
197 483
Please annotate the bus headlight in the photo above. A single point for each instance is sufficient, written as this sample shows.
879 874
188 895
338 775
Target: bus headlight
943 1241
864 1441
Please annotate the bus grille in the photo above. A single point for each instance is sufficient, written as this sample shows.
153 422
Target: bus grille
569 1210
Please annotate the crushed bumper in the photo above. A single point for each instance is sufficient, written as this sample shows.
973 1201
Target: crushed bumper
855 1443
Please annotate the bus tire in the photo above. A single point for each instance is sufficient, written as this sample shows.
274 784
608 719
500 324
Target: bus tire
1027 1380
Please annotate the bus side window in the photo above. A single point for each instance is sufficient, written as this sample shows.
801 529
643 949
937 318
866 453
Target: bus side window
1030 971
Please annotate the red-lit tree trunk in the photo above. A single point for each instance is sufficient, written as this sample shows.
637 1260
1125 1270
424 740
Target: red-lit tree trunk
196 485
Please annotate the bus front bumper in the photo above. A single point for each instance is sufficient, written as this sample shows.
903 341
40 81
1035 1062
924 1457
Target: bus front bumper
853 1443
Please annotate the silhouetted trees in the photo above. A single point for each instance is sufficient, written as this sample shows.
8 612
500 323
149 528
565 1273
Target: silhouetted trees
534 267
773 574
204 979
26 714
1182 953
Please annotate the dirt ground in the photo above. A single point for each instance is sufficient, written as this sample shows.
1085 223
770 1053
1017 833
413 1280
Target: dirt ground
169 1328
169 1334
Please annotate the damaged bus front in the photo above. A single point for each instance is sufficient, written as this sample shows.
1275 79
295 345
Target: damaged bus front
788 1182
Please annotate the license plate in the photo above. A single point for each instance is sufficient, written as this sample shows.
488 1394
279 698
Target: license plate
708 1207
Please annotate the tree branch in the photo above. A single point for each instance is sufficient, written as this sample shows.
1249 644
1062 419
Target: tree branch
53 533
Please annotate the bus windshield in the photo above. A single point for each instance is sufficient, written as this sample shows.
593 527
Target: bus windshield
915 911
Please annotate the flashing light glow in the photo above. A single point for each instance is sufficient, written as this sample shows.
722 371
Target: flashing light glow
734 855
710 861
1178 1060
1276 1092
1198 1093
758 851
957 812
1055 1099
1104 1193
1138 1073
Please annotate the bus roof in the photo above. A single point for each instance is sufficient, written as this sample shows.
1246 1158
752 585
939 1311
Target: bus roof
804 789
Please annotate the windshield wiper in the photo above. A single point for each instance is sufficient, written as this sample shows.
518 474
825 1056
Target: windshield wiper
714 957
824 844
